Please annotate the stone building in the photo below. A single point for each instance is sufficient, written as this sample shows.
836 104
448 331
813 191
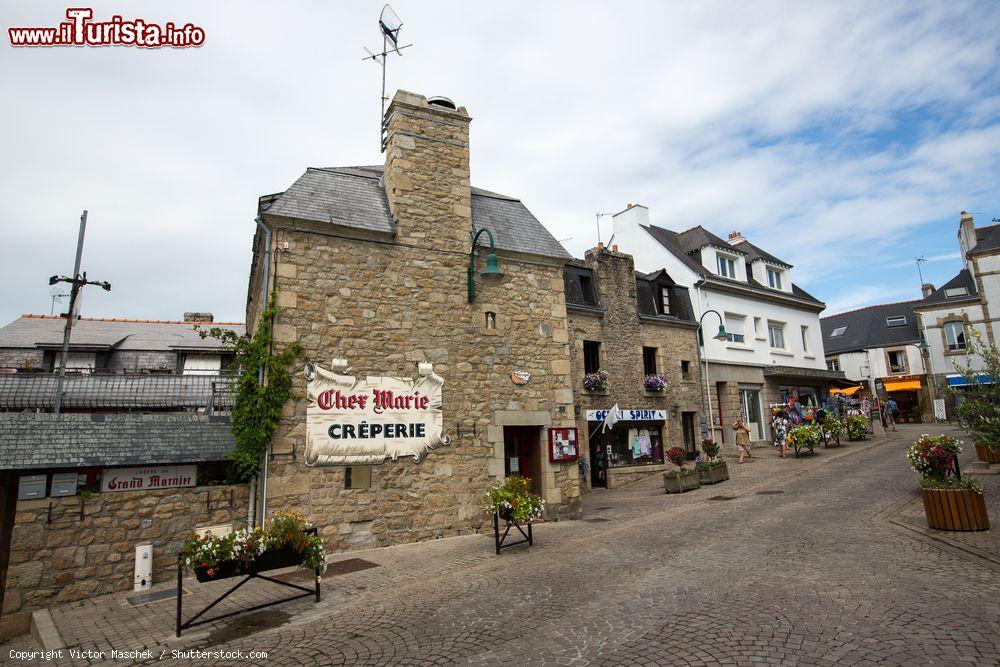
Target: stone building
632 327
371 265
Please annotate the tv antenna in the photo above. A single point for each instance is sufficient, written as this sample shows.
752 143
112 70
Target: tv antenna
390 25
920 260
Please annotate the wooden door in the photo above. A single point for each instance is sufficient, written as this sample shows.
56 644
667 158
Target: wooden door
522 453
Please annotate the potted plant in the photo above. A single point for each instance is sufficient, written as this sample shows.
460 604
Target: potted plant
596 381
512 500
712 469
682 479
805 438
979 409
655 382
857 427
833 429
951 502
285 540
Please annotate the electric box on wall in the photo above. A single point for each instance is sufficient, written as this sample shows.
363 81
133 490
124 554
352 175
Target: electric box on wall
563 444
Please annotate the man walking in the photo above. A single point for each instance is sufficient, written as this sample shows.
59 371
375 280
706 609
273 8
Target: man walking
892 413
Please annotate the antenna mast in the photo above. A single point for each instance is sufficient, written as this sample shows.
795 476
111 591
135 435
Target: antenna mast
390 25
919 261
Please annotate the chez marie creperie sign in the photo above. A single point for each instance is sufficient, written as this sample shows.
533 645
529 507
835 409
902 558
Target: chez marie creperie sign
350 421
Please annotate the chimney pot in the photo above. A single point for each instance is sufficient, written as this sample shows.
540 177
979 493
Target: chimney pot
614 247
736 237
629 205
927 289
600 245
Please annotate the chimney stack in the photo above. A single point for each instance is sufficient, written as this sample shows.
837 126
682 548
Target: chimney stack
199 317
926 289
735 238
634 215
427 171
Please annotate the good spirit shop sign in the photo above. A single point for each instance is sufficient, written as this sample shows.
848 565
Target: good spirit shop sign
355 422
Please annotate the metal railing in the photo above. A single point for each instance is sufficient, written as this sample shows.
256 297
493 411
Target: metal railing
105 390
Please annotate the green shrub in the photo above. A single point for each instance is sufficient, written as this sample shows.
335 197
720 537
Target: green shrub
979 408
857 426
512 498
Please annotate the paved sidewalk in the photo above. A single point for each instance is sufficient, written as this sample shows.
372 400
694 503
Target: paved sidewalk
815 574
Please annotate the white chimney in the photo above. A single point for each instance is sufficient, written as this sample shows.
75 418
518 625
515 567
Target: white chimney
735 238
631 218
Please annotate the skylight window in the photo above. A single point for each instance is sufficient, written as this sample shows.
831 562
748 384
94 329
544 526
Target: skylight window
838 332
896 321
955 292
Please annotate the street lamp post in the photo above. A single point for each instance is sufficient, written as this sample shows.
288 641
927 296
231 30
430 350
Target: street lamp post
924 350
706 390
492 271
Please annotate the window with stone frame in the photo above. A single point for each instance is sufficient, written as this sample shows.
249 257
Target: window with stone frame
896 361
649 361
591 356
587 289
954 336
685 369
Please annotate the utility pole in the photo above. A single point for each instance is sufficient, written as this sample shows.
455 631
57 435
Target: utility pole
77 281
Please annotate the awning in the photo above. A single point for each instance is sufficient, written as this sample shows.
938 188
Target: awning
959 381
847 391
909 385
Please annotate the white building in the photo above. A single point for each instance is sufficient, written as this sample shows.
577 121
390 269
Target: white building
968 303
774 347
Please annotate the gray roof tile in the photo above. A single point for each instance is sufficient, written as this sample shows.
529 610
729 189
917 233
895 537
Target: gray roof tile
148 335
867 328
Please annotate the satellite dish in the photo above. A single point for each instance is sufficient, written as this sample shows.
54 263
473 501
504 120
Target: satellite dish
391 24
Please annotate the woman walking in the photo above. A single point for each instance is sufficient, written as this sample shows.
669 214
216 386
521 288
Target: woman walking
780 429
742 440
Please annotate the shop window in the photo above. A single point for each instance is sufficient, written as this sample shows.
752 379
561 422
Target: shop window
358 477
734 328
685 369
954 336
649 360
491 319
591 356
897 361
727 266
776 334
639 444
773 278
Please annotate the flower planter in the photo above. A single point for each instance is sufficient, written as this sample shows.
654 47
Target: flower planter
987 455
713 474
955 509
272 559
686 480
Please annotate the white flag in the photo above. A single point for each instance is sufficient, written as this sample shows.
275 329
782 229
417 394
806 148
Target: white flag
611 418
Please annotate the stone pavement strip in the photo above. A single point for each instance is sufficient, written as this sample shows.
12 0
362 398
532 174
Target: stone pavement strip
829 565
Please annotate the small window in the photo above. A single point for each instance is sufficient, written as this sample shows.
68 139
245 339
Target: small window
758 327
805 339
734 327
955 292
665 301
773 278
358 477
776 334
587 289
895 321
954 336
838 332
685 369
491 319
591 356
727 267
897 361
833 364
649 360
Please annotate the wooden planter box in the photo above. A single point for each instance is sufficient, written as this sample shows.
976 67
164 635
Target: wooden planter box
713 474
955 509
686 481
987 455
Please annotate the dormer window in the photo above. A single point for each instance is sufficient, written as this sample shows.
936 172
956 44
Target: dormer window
727 266
587 288
956 292
774 278
664 301
896 321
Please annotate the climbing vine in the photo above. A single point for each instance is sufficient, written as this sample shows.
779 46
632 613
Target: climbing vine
257 406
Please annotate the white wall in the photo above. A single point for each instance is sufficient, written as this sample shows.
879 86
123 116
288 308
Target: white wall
989 276
942 363
710 260
856 365
758 269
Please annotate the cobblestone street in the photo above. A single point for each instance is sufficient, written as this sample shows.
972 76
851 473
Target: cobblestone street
804 561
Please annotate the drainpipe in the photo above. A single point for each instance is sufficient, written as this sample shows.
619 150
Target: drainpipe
261 488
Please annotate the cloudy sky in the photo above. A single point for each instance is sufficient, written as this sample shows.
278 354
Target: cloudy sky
844 138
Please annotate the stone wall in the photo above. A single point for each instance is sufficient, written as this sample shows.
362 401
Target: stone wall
623 334
71 548
11 357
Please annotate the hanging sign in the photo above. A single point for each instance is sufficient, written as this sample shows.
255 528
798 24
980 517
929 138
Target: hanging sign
628 415
563 444
353 422
520 377
147 478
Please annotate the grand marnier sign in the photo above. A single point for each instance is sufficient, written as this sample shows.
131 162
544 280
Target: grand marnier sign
354 422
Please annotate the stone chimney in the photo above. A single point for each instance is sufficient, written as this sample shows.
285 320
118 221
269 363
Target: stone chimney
736 238
926 289
427 171
633 216
199 317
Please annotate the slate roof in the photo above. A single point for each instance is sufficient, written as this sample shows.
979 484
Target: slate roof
963 279
987 238
44 440
866 328
645 296
671 241
698 237
754 253
30 331
354 197
30 391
